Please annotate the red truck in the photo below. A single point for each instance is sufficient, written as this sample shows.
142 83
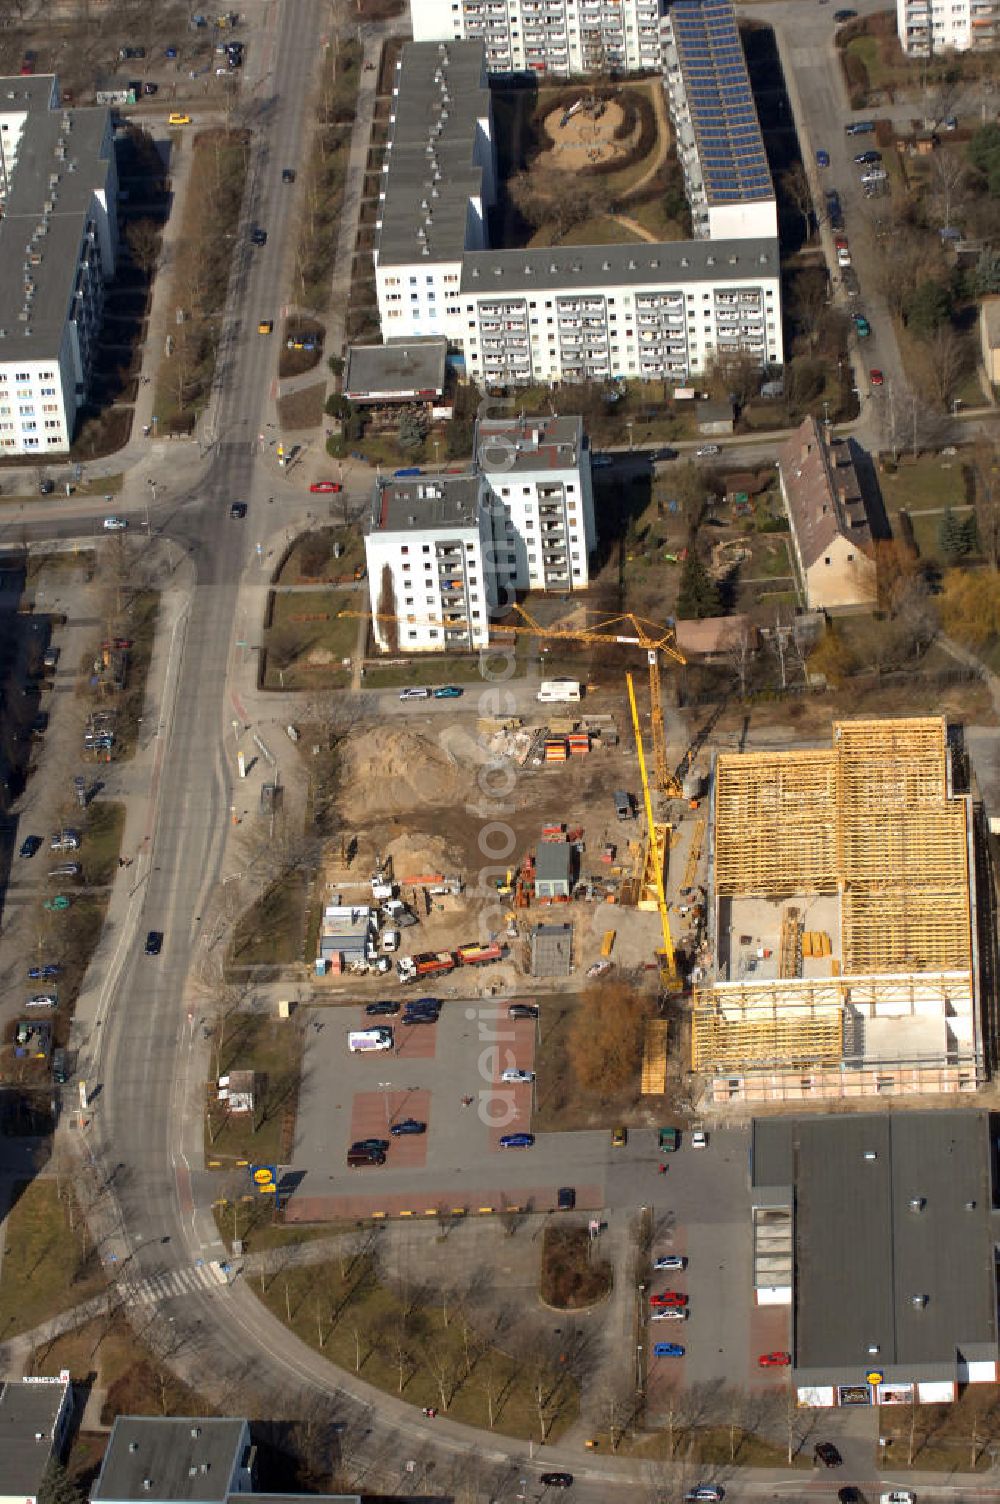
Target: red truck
431 963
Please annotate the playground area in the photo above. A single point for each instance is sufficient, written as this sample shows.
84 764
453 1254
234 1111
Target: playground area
591 132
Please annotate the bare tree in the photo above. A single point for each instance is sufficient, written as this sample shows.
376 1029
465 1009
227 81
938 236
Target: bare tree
740 657
986 462
796 188
949 175
945 363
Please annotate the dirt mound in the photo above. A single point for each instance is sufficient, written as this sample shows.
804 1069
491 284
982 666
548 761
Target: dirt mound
418 854
387 771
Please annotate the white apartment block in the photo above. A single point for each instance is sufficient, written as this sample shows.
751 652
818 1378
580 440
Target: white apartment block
556 37
58 244
434 535
538 472
719 142
584 313
928 27
458 546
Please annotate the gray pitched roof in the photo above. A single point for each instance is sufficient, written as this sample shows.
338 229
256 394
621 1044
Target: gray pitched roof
822 493
679 262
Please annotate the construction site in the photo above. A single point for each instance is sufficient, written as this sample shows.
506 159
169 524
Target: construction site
840 959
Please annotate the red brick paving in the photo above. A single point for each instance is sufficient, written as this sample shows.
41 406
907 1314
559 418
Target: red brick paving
415 1041
514 1099
368 1120
768 1334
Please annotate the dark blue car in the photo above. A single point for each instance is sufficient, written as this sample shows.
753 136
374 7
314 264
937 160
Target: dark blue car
517 1141
408 1125
42 973
667 1350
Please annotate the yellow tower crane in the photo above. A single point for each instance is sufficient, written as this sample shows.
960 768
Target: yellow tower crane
627 630
656 855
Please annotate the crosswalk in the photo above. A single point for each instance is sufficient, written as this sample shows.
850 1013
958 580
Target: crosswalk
174 1284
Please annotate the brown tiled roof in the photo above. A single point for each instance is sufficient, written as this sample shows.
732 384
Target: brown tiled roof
821 487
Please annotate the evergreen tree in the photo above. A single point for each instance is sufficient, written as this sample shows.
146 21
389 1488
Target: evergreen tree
57 1487
698 595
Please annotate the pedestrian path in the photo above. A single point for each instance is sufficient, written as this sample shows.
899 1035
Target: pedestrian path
172 1284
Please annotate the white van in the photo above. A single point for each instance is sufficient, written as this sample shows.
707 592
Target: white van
559 690
361 1041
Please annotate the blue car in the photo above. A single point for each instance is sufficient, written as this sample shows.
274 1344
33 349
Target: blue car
407 471
517 1141
667 1350
448 692
42 973
822 159
408 1125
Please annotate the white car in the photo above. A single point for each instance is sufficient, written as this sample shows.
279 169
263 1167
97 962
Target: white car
899 1496
513 1075
415 692
670 1261
699 1138
706 451
42 1000
115 524
671 1313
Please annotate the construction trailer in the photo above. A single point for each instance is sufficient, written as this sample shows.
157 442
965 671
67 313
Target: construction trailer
842 929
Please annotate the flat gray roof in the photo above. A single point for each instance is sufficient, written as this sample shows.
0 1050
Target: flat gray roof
184 1459
28 1414
441 94
864 1248
553 862
528 443
429 501
681 261
397 368
59 165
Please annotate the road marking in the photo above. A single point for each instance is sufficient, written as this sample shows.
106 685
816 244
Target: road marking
174 1283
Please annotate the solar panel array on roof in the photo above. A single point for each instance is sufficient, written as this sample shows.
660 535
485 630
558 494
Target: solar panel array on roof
723 116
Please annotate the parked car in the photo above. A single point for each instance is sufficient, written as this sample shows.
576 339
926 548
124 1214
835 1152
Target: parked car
522 1010
42 1000
566 1198
667 1298
115 524
265 326
670 1261
861 326
706 451
177 117
30 845
898 1496
667 1350
288 174
369 1145
415 692
619 1137
238 510
774 1360
822 158
65 840
325 486
840 16
826 1452
51 658
516 1075
258 236
43 973
517 1141
875 377
856 127
66 869
154 943
867 158
377 1010
705 1493
449 692
406 1127
669 1313
556 1480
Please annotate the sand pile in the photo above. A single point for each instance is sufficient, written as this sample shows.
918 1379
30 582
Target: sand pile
389 771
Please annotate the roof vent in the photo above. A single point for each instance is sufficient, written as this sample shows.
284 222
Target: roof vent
147 1484
733 260
918 1301
709 260
195 1432
873 1349
870 1155
685 261
917 1203
133 1446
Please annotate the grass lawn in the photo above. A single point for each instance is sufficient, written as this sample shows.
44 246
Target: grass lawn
930 481
272 1048
601 230
654 218
136 1382
255 1226
302 409
711 1445
100 485
436 669
405 1346
270 933
867 49
770 559
308 639
102 841
47 1266
308 551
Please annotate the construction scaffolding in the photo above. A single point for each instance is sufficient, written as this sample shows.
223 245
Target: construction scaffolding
873 823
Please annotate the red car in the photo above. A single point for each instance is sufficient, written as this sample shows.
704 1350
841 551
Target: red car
841 243
667 1299
774 1360
325 485
876 377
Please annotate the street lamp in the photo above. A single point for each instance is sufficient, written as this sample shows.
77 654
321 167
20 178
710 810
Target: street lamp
628 425
385 1087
